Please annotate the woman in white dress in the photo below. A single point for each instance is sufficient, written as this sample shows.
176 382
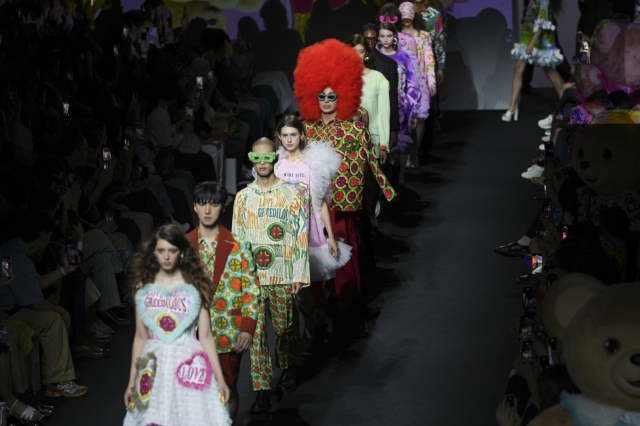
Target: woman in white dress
175 377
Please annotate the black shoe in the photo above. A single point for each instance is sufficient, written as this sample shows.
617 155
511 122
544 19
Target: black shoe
121 311
512 250
262 404
288 379
112 319
529 279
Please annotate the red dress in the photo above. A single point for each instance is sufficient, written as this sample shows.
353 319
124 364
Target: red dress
353 142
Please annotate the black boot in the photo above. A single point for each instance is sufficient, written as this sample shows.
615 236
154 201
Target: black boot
288 379
262 404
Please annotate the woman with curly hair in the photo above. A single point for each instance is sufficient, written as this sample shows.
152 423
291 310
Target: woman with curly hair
175 376
537 46
328 97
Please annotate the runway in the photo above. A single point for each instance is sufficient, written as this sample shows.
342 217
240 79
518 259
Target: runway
435 348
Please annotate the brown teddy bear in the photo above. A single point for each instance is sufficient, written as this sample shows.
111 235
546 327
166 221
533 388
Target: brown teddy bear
599 328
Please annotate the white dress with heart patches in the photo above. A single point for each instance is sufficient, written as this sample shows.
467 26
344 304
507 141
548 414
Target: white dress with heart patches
175 385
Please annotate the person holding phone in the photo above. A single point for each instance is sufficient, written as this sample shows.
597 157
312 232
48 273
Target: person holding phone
24 301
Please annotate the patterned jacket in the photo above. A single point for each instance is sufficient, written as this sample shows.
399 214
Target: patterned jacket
434 20
275 224
353 142
234 306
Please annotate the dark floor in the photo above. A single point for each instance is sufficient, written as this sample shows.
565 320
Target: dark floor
436 349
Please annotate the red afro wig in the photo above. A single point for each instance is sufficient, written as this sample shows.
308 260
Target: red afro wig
329 63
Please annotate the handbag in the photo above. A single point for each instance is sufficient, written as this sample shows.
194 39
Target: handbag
163 162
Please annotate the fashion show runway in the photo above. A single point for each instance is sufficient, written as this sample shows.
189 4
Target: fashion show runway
435 349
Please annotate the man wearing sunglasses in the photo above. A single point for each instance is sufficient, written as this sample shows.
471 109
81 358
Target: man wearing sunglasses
269 214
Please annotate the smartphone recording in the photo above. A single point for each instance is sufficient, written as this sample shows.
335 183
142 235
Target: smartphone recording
6 267
73 254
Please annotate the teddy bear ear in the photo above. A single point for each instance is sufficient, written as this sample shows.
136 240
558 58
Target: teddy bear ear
566 298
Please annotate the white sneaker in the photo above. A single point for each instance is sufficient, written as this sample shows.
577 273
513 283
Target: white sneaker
547 132
536 171
541 147
546 123
546 138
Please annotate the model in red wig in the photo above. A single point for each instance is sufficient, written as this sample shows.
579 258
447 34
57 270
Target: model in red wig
333 64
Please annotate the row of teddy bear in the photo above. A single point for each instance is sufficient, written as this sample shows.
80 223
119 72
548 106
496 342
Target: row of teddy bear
584 303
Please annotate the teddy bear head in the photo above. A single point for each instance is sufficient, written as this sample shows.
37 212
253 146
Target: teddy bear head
598 327
606 155
615 50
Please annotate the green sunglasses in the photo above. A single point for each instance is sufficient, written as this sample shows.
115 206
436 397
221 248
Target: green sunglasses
269 157
331 96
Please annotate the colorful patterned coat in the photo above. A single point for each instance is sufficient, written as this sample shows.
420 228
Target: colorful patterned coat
275 224
436 26
234 306
353 142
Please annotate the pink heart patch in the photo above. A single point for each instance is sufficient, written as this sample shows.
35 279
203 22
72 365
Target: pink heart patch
195 372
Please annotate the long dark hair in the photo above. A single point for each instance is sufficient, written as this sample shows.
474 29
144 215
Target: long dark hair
358 39
290 121
145 265
390 27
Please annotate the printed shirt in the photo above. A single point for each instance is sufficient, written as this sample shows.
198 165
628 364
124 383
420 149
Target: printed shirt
353 142
234 306
434 21
275 224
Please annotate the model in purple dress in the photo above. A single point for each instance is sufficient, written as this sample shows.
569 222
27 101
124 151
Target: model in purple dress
409 94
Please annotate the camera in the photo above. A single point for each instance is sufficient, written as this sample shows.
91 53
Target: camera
542 231
536 260
526 350
528 297
73 254
139 130
106 158
526 326
6 267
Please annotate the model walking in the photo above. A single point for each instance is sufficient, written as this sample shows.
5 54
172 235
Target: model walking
175 376
328 96
269 214
412 25
537 46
